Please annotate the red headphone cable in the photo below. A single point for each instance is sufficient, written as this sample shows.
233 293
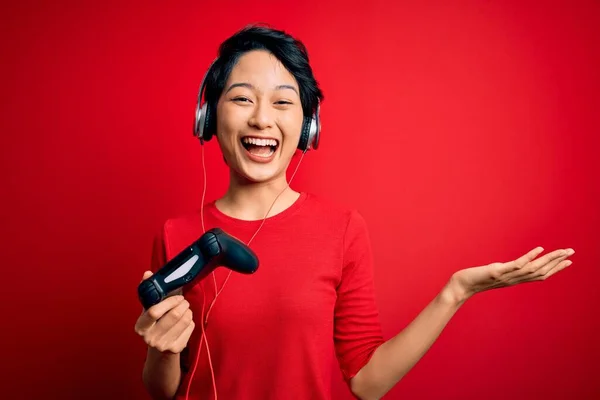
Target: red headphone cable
204 320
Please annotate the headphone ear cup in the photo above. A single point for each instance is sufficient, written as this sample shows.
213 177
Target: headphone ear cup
304 142
208 122
310 135
315 131
199 122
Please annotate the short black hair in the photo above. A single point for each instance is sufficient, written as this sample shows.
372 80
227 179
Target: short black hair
290 51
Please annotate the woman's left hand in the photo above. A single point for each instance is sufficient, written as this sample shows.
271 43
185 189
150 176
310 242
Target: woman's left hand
524 269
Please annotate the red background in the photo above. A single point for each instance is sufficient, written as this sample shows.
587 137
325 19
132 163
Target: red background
465 132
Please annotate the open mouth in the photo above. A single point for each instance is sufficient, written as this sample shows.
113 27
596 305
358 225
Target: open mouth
260 147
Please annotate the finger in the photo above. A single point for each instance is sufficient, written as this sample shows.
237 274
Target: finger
182 324
533 268
557 269
526 264
171 333
173 316
154 313
547 273
181 342
549 258
520 262
527 258
544 269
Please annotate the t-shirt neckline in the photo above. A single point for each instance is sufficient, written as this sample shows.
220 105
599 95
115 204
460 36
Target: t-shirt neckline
213 210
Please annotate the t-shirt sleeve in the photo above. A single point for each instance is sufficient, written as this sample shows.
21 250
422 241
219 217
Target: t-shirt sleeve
159 251
357 332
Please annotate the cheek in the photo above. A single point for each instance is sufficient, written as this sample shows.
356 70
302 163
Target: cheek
292 130
226 130
226 143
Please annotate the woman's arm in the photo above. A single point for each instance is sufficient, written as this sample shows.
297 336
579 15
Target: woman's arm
162 374
394 358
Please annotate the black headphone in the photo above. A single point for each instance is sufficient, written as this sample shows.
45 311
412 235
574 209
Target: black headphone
205 128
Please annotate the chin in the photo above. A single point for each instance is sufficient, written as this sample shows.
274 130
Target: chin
261 173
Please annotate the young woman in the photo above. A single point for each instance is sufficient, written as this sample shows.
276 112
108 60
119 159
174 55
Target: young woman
275 334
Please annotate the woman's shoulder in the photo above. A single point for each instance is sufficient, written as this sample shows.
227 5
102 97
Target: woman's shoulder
326 208
187 223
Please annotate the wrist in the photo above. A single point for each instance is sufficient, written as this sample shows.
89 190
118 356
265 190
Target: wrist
162 356
455 293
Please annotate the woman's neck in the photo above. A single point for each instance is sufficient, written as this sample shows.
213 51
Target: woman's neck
252 201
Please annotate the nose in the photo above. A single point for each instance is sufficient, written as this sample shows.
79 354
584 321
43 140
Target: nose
261 117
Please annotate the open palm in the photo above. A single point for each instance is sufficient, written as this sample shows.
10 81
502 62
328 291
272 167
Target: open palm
524 269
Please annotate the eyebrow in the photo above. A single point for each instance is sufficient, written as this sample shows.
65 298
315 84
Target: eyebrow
249 86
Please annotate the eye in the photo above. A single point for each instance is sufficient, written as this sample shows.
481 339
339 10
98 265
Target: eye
283 102
240 99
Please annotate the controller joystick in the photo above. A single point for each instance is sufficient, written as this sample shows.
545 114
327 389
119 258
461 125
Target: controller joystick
213 249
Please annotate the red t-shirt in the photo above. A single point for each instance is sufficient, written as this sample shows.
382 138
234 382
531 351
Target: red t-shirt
276 333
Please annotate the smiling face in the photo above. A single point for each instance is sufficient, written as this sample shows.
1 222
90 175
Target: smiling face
259 118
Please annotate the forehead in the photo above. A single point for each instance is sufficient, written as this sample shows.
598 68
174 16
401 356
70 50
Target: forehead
262 70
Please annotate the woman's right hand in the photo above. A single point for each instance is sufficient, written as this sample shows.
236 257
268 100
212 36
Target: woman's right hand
168 325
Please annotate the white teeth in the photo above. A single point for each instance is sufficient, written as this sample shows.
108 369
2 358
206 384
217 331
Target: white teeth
260 142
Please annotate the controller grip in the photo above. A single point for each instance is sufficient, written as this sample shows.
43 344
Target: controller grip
149 294
236 255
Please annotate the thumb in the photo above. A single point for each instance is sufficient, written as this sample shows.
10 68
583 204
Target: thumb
147 275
